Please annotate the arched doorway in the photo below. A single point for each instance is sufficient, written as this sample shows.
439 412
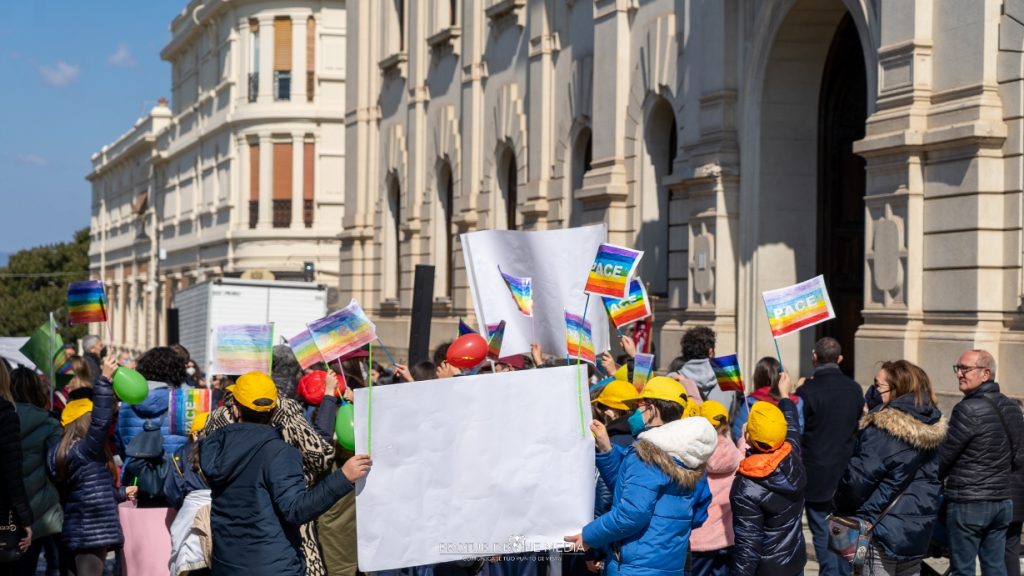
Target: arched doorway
842 112
508 185
444 245
791 209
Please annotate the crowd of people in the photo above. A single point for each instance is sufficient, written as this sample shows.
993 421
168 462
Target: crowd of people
690 478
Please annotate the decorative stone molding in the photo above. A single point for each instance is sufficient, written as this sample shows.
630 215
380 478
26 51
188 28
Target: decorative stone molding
447 144
395 157
505 13
444 41
509 123
577 108
394 65
886 252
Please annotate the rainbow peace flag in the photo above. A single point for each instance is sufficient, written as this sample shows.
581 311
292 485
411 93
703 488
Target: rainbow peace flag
465 328
241 348
796 307
185 404
727 372
578 340
342 331
86 302
522 291
643 366
305 349
634 307
494 339
612 269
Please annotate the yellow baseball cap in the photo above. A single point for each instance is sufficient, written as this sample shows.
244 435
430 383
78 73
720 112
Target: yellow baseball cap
199 421
256 391
766 427
74 410
691 409
617 394
664 388
715 412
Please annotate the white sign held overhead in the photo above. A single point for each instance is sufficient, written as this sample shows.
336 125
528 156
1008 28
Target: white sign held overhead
475 466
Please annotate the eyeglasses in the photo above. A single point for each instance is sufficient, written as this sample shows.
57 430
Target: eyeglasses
961 369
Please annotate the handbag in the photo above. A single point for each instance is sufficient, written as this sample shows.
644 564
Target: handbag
850 537
9 539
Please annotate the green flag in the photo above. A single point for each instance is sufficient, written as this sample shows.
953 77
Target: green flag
45 348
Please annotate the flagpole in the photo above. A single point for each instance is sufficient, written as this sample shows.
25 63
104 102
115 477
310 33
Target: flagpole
369 399
53 387
778 354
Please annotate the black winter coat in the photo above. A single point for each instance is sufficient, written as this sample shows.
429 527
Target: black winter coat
12 488
975 458
40 432
897 446
767 513
833 405
260 499
90 512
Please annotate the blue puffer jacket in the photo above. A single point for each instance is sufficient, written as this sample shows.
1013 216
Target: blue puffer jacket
656 502
40 432
767 507
131 419
90 513
897 447
260 500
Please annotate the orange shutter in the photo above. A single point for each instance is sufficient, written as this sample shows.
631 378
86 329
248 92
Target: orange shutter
283 44
254 172
307 171
283 171
310 61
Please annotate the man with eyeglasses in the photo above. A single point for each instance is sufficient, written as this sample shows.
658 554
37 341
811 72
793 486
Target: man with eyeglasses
984 445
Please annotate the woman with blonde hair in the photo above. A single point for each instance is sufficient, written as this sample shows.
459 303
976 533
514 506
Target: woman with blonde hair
892 481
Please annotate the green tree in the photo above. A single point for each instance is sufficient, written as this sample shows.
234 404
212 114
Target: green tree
35 282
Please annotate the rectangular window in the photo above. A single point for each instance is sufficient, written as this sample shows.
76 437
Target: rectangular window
254 59
282 58
307 184
254 184
282 185
310 60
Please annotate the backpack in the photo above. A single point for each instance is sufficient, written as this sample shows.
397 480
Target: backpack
146 466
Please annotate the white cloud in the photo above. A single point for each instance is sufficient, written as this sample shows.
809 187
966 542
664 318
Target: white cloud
60 74
123 57
30 159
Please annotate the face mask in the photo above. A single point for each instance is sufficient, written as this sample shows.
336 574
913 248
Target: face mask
103 352
190 371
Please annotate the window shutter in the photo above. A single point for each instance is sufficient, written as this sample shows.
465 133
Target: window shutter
310 60
282 44
283 171
307 171
254 172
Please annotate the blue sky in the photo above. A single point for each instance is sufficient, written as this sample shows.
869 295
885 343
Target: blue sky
77 75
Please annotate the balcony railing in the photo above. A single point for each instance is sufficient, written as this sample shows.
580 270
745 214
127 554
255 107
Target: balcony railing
254 213
282 85
282 213
307 213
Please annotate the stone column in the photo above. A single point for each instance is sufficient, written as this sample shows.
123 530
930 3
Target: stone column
606 181
240 214
266 71
266 212
543 47
299 58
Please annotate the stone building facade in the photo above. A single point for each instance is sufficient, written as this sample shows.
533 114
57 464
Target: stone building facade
241 172
743 144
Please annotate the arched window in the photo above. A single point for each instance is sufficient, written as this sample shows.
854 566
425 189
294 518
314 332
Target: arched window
659 152
392 249
582 156
445 231
453 12
508 182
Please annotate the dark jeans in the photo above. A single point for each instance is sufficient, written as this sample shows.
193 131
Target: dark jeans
715 563
1013 549
829 564
978 530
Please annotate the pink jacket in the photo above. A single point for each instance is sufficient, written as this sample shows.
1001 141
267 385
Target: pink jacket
716 533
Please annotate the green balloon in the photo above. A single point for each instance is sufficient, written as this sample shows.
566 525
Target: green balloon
130 386
345 427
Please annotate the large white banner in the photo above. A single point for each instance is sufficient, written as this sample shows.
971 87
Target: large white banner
473 466
558 261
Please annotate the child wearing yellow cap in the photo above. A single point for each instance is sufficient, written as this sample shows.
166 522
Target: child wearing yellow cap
711 544
767 495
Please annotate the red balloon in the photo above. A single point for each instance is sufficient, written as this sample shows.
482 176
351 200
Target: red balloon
467 351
